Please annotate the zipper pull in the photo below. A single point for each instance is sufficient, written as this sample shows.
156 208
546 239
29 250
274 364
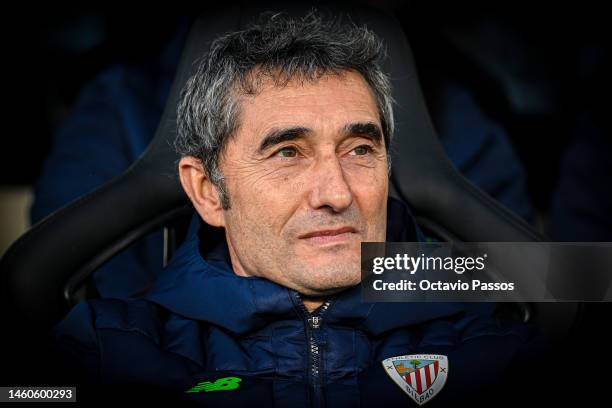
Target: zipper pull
314 322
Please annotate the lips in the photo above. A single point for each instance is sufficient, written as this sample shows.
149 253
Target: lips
328 235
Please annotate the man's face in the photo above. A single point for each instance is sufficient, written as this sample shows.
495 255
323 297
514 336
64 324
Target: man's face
306 174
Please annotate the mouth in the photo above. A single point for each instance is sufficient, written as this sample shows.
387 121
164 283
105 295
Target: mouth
329 236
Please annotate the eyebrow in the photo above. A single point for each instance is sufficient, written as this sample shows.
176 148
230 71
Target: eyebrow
368 130
276 136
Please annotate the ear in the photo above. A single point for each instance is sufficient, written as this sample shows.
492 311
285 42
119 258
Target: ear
201 191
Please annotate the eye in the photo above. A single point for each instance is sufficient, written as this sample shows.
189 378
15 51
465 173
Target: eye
287 152
362 150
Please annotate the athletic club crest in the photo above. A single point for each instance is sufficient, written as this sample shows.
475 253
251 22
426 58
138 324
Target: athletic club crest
421 376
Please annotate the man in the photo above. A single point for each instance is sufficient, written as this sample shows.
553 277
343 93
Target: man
284 134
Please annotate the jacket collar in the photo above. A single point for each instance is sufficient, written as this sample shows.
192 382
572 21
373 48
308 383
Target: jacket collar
204 287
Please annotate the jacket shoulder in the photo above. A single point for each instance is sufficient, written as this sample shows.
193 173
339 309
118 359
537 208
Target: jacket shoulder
82 323
128 315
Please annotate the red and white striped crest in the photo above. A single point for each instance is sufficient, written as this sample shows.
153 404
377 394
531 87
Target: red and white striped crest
421 376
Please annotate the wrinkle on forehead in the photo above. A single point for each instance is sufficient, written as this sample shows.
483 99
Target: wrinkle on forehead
349 90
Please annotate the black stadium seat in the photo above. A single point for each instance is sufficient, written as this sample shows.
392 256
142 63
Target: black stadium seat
43 272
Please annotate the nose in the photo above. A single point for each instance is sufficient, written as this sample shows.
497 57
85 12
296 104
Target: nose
329 185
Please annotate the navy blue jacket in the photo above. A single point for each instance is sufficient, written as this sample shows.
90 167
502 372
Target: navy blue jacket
201 322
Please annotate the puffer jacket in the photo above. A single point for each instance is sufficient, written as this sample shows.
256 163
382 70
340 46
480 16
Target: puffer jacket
205 335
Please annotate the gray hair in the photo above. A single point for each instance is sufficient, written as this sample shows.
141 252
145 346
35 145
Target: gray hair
280 48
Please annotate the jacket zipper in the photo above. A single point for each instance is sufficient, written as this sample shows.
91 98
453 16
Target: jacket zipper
314 321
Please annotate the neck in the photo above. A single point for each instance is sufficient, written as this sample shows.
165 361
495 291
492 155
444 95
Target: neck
312 303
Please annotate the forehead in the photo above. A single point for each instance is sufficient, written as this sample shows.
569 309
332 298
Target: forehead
324 105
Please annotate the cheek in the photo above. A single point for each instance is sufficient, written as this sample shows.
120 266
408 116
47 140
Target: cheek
371 194
370 185
271 183
265 204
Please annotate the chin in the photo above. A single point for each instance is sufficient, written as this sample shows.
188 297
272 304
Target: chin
331 283
325 274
